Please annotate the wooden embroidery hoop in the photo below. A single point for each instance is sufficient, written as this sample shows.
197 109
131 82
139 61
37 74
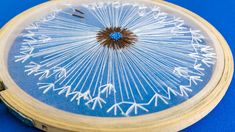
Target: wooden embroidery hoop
176 118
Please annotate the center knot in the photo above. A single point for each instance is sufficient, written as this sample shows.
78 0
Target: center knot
115 36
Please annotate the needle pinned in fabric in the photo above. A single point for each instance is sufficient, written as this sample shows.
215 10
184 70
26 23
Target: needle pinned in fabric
77 16
80 12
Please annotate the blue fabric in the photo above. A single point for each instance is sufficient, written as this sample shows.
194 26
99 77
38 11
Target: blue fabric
100 101
220 14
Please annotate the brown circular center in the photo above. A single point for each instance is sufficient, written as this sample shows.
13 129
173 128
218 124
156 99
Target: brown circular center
116 37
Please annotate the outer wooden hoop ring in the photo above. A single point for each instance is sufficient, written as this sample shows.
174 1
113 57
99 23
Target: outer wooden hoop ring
181 120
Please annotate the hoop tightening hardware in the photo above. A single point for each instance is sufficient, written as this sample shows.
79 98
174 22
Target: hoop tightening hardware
2 86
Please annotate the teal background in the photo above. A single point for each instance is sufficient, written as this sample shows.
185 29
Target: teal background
218 13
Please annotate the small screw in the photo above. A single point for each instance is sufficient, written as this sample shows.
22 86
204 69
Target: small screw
44 127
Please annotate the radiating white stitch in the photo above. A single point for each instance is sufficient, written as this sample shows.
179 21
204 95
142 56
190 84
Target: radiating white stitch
175 53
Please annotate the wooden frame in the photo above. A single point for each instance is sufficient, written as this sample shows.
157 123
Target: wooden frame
45 117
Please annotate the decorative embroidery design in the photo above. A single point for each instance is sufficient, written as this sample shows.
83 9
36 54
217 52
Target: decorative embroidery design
116 56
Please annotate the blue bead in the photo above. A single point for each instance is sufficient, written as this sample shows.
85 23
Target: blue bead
115 36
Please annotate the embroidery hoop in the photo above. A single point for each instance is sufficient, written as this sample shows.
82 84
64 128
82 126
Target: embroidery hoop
175 118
